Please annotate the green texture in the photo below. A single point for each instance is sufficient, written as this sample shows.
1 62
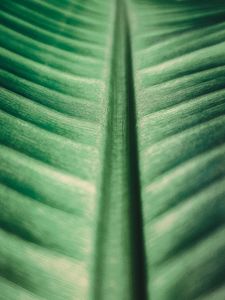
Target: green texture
112 150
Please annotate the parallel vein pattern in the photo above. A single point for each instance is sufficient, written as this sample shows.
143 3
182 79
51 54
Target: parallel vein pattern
55 63
71 213
178 52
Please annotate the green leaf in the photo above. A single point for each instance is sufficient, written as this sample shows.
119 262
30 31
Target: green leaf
112 156
179 92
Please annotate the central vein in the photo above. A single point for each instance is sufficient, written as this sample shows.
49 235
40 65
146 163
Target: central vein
120 257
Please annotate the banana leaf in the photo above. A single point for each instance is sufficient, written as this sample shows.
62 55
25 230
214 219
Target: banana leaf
112 150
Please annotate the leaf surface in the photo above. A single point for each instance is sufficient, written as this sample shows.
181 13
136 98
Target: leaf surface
112 156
